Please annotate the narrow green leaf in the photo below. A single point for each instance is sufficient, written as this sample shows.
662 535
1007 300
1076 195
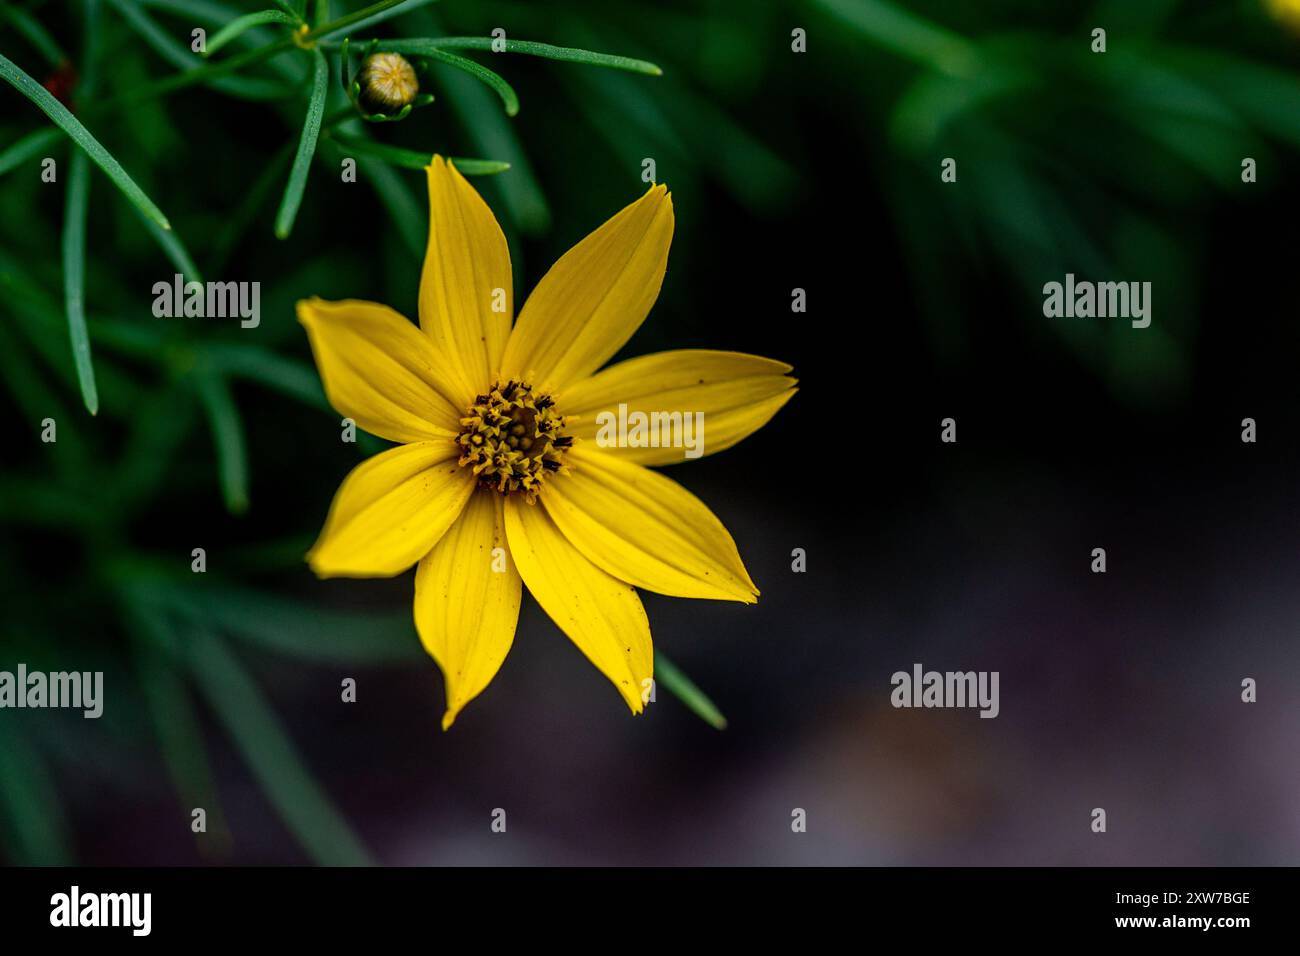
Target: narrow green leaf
253 204
410 159
35 34
289 376
176 722
227 438
478 167
477 70
28 387
239 25
180 55
206 73
670 677
493 134
305 630
426 46
214 15
203 11
135 339
306 148
162 42
366 17
60 115
33 144
906 34
241 707
74 276
31 801
159 426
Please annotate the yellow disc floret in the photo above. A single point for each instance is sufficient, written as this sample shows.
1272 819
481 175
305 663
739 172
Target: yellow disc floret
513 439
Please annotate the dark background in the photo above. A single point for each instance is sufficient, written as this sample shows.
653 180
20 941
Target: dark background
818 171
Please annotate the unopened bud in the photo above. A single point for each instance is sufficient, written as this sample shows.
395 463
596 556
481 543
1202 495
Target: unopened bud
388 82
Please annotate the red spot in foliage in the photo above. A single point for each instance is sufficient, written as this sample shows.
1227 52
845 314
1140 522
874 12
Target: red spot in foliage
61 83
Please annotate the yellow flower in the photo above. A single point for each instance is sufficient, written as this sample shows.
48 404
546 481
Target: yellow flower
1285 11
500 479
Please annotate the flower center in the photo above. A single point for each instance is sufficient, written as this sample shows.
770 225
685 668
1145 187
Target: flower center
513 439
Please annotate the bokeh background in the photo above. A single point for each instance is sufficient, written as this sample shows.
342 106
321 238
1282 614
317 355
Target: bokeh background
816 170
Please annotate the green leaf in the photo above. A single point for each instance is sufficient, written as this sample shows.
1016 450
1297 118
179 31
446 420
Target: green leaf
162 42
203 11
366 17
31 801
228 439
206 73
271 755
306 148
305 630
62 118
179 55
74 277
37 400
492 134
247 22
176 721
253 203
33 144
159 427
35 34
503 89
285 375
427 46
906 34
410 159
135 339
406 212
670 677
213 15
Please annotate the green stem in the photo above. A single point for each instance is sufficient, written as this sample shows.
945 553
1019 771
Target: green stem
200 74
344 22
411 159
426 46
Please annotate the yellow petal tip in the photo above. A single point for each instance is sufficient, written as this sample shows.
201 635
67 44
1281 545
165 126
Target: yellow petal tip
306 309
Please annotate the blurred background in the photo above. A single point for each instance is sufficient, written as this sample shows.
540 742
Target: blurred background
816 170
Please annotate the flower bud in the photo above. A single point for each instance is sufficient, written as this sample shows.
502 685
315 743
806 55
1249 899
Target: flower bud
387 82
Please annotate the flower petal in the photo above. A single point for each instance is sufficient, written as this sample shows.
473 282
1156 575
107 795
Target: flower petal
379 370
645 529
391 510
601 614
465 608
594 298
466 272
737 394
